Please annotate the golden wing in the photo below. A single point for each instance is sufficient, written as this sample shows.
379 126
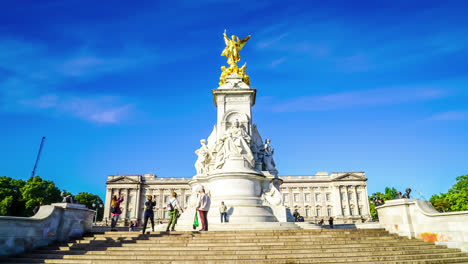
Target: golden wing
226 39
242 42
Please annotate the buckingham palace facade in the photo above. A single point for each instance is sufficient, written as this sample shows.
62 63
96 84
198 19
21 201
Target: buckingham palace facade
341 195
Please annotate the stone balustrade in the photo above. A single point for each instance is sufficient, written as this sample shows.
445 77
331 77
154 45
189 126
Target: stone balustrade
418 219
56 222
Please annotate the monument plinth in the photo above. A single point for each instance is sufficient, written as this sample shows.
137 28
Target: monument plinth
235 165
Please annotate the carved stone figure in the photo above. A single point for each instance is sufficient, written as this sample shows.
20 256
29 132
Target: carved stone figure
204 157
273 195
234 143
67 198
407 194
268 162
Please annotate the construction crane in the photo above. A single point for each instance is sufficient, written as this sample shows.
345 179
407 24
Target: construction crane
38 157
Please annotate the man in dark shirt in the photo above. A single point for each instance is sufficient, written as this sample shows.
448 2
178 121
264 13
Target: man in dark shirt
149 212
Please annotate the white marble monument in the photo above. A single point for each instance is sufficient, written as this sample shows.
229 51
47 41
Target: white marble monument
236 166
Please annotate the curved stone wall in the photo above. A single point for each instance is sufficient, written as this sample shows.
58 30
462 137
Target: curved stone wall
418 219
56 222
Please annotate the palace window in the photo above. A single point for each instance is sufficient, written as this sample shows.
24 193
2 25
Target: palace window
317 197
327 196
296 197
129 212
359 196
317 211
285 198
166 199
360 210
351 211
329 211
307 197
307 212
343 211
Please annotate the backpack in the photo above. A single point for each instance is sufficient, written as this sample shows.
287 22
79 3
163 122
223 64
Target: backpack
170 207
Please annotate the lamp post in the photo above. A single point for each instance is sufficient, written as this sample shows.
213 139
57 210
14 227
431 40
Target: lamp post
96 204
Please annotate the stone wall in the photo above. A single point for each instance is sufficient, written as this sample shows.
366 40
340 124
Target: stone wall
56 222
418 219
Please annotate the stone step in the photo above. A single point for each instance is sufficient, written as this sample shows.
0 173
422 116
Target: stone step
182 251
429 258
193 253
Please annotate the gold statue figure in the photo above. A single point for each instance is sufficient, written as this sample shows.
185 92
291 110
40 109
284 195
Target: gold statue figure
231 52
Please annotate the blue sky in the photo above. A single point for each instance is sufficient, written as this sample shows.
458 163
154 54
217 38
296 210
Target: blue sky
125 87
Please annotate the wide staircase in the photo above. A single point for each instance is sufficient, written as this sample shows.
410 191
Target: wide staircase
260 246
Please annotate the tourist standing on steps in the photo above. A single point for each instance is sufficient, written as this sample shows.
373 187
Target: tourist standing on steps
115 210
223 212
174 203
203 207
330 221
149 213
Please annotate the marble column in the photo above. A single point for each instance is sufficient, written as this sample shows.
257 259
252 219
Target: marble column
107 204
138 213
347 199
336 201
356 190
125 204
365 202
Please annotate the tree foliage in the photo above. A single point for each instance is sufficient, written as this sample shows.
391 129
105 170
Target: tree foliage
38 190
389 194
88 199
11 202
18 197
456 199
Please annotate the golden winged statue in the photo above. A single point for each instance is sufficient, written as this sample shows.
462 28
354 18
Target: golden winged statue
231 52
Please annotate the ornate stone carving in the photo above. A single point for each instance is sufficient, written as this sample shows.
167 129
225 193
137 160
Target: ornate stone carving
268 162
204 157
235 143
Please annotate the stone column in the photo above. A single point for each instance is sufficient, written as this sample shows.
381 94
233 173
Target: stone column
125 204
182 197
356 190
137 202
161 203
336 201
347 199
365 202
301 201
291 199
107 204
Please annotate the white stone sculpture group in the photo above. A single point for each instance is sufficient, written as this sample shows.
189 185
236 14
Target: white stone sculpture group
235 143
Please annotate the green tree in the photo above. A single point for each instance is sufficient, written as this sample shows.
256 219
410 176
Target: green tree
11 200
389 194
456 199
88 199
457 196
38 190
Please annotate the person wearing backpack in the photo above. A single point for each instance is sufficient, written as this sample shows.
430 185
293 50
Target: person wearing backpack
115 210
173 207
149 213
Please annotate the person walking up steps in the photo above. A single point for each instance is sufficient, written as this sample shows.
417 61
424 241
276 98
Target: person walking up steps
115 210
149 213
203 207
173 207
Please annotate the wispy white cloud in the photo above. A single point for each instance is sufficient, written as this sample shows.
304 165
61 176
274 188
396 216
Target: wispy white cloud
451 116
277 62
364 98
271 41
36 79
96 109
